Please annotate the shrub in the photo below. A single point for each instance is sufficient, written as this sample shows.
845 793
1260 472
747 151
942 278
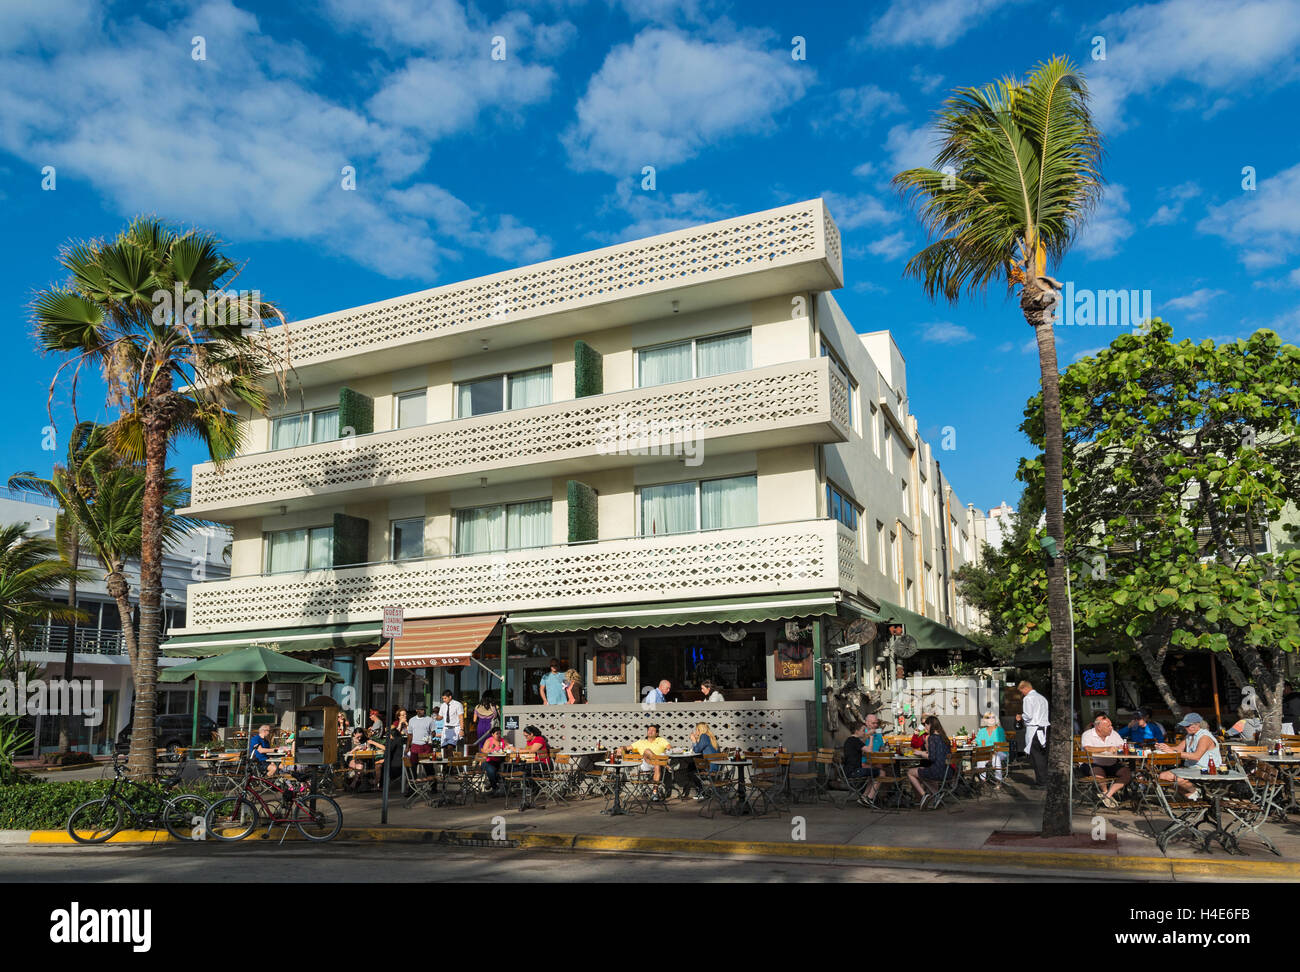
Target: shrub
35 804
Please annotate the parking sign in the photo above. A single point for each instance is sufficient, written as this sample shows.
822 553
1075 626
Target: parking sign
393 622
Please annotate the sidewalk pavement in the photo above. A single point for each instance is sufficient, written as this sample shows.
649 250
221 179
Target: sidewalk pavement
994 834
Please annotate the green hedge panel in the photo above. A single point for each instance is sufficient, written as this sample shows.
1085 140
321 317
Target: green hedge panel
588 370
351 540
356 411
582 512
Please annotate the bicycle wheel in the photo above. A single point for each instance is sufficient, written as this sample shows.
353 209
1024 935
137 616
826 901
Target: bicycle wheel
325 818
95 821
185 816
231 818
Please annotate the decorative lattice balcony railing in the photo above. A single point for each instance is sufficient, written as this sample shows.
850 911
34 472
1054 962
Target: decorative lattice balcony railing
809 395
803 233
769 559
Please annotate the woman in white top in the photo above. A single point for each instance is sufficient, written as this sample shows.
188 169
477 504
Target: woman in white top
710 693
1199 748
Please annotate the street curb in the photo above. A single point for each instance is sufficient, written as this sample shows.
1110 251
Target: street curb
1132 867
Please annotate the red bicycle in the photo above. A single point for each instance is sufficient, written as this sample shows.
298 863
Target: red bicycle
234 817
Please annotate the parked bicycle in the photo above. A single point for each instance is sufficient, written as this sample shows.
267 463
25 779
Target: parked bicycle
316 816
95 821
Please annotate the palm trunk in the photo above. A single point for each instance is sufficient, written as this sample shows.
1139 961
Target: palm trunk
1038 302
120 592
157 415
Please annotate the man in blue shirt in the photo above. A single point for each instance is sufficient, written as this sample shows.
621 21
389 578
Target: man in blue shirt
1142 731
658 694
258 748
552 687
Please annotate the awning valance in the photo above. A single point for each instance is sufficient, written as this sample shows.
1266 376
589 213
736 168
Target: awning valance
930 635
730 610
434 642
307 639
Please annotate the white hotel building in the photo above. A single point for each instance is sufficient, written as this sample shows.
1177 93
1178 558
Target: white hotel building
679 444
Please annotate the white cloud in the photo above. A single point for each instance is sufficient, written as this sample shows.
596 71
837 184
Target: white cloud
911 148
1216 45
1030 346
1265 223
864 170
663 98
1196 302
234 143
1108 227
932 23
1087 353
856 211
946 332
890 247
1170 213
927 82
652 213
859 107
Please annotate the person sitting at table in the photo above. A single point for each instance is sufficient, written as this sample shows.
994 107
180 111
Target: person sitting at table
658 694
259 748
400 721
990 734
1199 748
493 749
926 779
703 743
652 743
343 724
535 742
421 739
710 692
376 723
1140 731
1099 740
360 769
1248 727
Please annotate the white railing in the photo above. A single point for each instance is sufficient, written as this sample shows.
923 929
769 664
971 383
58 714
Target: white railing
749 725
807 394
803 233
771 559
84 642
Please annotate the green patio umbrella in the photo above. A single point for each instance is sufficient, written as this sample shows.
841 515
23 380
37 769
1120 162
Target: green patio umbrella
251 664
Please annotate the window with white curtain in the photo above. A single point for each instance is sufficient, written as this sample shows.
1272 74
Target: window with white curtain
710 504
696 358
303 428
875 430
504 526
911 597
496 393
889 448
409 410
880 545
303 549
408 538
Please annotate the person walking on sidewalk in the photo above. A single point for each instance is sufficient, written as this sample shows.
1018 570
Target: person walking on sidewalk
1035 717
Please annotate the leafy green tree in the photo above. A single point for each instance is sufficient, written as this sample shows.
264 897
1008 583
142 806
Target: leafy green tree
1016 174
31 573
173 368
1178 456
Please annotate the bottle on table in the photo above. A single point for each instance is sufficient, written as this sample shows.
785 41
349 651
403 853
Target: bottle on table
1213 771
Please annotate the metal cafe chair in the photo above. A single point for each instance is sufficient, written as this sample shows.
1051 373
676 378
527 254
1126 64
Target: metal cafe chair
765 788
1089 789
1183 815
1250 814
416 788
886 779
718 784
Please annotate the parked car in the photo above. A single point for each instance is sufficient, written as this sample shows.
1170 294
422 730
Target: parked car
173 731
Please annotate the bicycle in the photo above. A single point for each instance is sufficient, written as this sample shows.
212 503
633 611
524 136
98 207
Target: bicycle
231 818
95 821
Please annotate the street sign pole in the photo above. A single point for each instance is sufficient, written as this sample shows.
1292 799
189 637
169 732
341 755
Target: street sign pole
392 631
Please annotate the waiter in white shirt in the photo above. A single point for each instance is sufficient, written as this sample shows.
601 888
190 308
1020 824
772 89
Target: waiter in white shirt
1036 723
451 713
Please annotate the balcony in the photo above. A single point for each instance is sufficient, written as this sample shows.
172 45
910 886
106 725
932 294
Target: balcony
811 555
779 405
779 251
85 642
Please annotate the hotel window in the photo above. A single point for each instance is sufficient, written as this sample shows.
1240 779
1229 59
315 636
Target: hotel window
304 428
855 411
409 410
696 358
880 545
875 431
505 526
710 504
911 597
408 538
889 448
907 499
498 393
929 583
895 555
306 549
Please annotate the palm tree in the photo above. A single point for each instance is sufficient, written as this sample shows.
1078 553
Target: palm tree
31 572
173 367
86 445
1016 174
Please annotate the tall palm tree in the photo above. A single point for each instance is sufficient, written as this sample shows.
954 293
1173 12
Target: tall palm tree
86 445
31 572
173 368
1017 171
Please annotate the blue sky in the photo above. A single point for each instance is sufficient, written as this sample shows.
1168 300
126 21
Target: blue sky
467 165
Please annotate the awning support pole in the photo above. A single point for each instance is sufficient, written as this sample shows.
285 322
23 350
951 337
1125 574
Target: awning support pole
485 668
505 644
194 732
818 687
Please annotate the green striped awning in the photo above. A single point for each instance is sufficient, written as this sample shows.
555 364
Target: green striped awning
728 610
315 638
930 635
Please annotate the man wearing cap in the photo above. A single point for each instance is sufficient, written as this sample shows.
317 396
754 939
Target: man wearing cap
1199 748
1034 716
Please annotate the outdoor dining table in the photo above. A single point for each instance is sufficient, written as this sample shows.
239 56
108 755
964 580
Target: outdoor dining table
1215 786
740 806
616 810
